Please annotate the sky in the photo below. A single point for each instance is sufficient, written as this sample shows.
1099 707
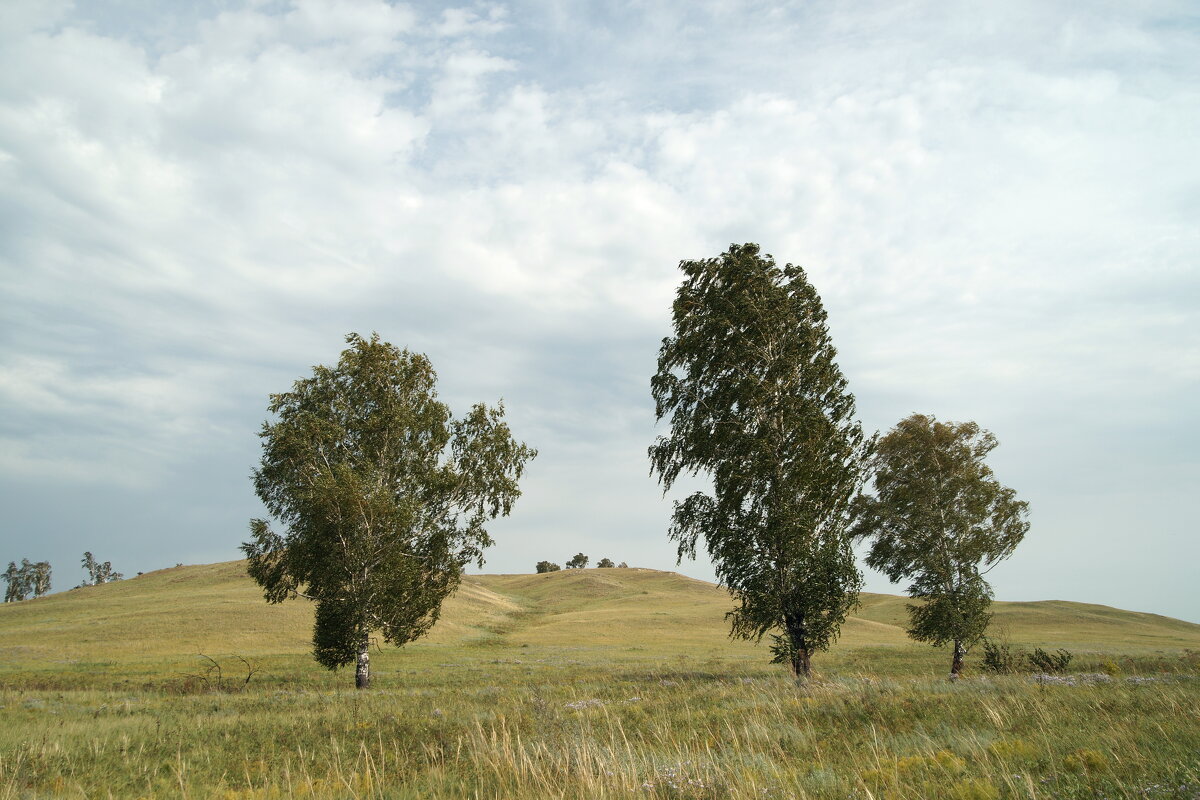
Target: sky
999 205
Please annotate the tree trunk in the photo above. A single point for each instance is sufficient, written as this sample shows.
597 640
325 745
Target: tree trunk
362 671
957 664
800 660
801 668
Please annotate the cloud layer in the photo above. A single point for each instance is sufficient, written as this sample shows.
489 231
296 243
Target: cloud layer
999 208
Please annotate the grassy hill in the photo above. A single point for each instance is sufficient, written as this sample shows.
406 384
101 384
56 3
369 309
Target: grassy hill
216 608
614 683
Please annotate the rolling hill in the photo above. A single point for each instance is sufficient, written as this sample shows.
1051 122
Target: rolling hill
216 608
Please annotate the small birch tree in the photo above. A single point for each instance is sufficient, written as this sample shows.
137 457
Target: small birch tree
16 582
98 572
383 497
940 519
41 578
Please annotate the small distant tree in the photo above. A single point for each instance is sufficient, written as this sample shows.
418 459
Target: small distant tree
605 563
383 496
17 588
28 580
547 566
98 573
578 562
940 519
41 578
622 565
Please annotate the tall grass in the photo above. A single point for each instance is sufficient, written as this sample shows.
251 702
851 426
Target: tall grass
588 684
497 722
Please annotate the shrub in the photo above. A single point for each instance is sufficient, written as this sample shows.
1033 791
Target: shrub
1053 663
1001 657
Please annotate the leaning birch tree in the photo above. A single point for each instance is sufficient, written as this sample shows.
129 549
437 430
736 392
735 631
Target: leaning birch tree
757 403
382 495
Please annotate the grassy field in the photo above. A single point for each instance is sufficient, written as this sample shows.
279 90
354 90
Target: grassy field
588 684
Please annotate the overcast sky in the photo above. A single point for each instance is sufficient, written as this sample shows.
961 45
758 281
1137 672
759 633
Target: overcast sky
999 204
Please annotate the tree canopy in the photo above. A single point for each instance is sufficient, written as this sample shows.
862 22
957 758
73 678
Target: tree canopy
937 517
382 494
28 580
757 402
98 572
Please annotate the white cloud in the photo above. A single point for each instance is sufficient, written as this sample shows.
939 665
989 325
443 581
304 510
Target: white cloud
997 206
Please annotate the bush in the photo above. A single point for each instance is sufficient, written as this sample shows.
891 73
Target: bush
1050 662
1001 657
547 566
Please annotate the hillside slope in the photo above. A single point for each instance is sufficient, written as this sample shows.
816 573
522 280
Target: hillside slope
216 608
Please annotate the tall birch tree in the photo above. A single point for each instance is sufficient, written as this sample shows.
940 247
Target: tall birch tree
757 403
383 497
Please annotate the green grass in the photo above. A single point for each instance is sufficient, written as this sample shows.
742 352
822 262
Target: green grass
582 684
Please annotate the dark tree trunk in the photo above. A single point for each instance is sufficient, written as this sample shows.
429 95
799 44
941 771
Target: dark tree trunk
362 670
801 666
957 664
801 655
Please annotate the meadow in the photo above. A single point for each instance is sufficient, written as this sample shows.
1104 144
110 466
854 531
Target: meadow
582 684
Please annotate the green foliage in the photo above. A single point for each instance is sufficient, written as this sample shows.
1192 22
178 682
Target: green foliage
18 580
961 614
578 561
547 566
605 563
383 496
1002 658
98 573
756 401
1053 663
937 517
28 580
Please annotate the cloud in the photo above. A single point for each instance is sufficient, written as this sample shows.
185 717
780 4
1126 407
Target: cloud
996 205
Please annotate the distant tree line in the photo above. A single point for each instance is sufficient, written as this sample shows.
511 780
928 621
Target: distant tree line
32 579
579 561
28 580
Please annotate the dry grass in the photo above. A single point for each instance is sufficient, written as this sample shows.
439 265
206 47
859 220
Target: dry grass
596 684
